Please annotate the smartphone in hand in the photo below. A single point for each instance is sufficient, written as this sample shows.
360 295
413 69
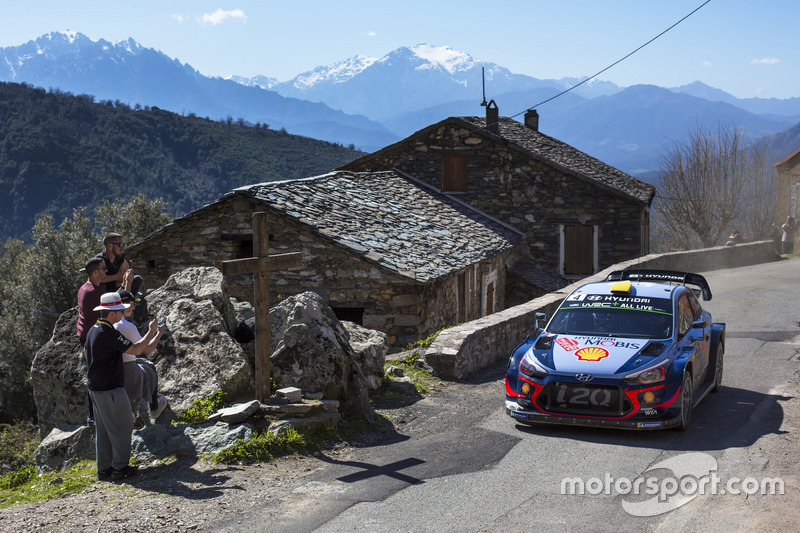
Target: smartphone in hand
162 321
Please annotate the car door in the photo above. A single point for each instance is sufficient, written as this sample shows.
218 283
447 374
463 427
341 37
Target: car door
701 329
692 337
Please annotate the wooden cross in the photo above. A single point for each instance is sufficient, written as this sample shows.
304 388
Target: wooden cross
260 266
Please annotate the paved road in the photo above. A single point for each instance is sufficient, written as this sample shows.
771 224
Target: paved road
468 467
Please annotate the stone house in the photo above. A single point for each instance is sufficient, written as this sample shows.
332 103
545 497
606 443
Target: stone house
578 215
788 185
383 249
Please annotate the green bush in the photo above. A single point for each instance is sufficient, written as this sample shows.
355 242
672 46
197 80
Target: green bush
203 408
265 446
18 444
16 478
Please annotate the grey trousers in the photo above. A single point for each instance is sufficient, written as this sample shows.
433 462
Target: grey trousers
113 420
141 380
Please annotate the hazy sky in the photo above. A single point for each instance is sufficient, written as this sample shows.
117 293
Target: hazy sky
744 47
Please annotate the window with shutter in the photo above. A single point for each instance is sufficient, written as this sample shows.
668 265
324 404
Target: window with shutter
454 173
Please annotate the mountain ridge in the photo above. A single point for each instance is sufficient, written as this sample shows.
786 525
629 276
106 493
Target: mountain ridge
372 102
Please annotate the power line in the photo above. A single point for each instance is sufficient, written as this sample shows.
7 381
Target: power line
615 62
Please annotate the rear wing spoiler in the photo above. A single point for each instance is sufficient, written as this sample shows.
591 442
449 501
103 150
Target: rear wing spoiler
672 276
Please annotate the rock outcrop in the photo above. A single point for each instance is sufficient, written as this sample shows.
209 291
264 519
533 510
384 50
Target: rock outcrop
196 356
199 354
312 352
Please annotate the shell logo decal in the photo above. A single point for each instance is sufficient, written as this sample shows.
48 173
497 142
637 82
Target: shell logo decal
591 354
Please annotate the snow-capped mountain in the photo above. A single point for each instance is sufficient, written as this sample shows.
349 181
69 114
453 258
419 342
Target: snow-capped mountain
128 72
262 82
384 99
404 80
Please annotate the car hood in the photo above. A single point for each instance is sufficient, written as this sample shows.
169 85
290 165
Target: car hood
595 355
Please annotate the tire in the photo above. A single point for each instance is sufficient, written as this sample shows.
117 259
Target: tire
718 368
687 399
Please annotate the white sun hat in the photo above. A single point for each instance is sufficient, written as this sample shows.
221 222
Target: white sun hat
111 301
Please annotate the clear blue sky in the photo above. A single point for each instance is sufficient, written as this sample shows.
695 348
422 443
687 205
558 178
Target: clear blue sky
744 47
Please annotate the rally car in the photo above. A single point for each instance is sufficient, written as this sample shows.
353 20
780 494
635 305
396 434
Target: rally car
635 351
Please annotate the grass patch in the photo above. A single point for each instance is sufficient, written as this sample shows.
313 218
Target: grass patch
265 446
17 488
202 408
424 381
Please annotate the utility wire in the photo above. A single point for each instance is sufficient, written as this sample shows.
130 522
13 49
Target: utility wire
565 91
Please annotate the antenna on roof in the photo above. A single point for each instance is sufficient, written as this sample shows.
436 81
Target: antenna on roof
483 83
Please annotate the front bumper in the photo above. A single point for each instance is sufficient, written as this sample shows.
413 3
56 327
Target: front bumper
642 422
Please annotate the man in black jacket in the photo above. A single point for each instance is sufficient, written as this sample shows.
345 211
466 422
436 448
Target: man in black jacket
106 379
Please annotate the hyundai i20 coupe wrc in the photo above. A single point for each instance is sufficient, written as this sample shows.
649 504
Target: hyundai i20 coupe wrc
635 351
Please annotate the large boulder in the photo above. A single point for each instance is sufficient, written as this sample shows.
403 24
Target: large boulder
370 348
58 377
312 352
196 355
64 446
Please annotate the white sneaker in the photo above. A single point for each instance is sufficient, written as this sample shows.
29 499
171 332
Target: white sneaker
162 404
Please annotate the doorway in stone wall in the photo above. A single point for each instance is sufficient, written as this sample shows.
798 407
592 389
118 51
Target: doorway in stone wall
351 314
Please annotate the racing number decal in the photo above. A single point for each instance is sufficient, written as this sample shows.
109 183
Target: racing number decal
584 396
591 354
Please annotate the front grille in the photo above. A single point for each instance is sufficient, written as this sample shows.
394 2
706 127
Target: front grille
583 399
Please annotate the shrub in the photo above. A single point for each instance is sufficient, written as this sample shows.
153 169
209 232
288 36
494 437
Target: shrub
203 408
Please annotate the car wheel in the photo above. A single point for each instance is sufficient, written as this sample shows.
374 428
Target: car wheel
686 401
718 372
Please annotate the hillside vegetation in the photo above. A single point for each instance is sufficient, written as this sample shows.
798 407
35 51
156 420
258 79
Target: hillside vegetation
59 152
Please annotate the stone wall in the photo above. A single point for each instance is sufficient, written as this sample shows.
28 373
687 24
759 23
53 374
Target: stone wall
464 350
512 187
788 176
404 309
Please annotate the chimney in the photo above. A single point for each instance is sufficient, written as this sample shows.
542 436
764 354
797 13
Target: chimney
532 119
492 117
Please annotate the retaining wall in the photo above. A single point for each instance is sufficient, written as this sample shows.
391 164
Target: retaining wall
462 351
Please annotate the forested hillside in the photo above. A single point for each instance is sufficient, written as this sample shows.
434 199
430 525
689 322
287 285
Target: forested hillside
59 151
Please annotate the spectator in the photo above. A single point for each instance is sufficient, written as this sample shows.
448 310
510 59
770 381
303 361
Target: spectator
117 265
89 296
106 380
735 238
789 229
141 378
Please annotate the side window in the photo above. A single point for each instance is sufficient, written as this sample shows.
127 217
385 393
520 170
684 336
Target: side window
696 308
685 315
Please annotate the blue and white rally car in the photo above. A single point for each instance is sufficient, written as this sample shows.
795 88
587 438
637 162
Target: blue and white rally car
634 351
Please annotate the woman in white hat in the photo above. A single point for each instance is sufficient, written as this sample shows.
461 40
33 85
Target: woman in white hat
106 379
141 378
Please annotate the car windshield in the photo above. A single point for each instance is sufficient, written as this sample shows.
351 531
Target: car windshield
616 319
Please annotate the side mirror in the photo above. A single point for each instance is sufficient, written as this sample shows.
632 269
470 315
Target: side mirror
540 316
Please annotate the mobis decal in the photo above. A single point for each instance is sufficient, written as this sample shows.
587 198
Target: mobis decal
591 354
612 342
598 341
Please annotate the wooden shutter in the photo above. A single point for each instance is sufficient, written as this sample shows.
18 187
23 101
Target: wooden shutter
454 173
578 250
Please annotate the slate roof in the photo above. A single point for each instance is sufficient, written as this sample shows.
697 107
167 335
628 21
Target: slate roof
390 219
570 159
543 148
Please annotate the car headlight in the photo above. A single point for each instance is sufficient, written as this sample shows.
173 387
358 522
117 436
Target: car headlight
654 374
530 367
